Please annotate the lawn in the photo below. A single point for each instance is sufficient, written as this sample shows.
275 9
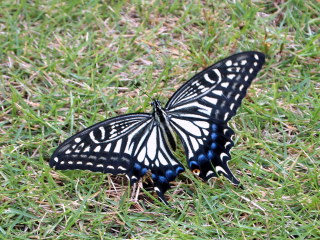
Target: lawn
66 65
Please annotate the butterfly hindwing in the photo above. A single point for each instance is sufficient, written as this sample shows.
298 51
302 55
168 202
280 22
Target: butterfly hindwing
200 109
130 144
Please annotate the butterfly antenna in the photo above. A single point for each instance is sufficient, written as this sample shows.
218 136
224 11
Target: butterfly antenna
143 91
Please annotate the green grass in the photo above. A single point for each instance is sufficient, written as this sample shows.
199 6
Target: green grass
67 65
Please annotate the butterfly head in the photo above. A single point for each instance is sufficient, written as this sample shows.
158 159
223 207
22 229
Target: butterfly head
156 103
157 109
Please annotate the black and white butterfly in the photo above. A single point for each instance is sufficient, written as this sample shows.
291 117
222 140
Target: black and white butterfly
198 112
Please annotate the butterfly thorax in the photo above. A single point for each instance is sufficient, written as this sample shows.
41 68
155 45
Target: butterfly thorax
158 113
162 119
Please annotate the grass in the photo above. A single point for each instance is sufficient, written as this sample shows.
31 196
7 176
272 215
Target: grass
68 64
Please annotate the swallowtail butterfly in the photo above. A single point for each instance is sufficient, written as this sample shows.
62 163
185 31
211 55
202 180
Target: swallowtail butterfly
198 112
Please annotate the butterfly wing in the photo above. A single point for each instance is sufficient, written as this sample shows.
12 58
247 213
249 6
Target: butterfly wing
200 109
129 144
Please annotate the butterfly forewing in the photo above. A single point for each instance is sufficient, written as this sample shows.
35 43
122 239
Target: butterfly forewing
96 147
200 109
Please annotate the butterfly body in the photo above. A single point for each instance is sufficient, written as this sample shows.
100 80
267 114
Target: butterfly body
161 117
198 113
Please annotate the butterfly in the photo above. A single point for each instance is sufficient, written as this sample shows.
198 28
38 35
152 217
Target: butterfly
198 113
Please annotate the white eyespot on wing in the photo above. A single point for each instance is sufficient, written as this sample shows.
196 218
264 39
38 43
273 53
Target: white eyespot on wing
133 177
87 149
77 140
217 92
209 173
256 56
231 76
55 159
227 144
241 87
89 163
218 73
228 63
255 64
100 165
220 169
203 89
97 149
206 77
237 96
103 132
122 168
79 163
68 151
243 62
92 137
195 82
110 167
226 115
225 84
222 155
231 106
246 78
251 70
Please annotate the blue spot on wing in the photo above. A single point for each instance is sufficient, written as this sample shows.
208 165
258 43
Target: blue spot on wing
137 166
179 170
214 136
143 171
162 179
202 158
214 127
193 164
210 154
170 175
213 146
